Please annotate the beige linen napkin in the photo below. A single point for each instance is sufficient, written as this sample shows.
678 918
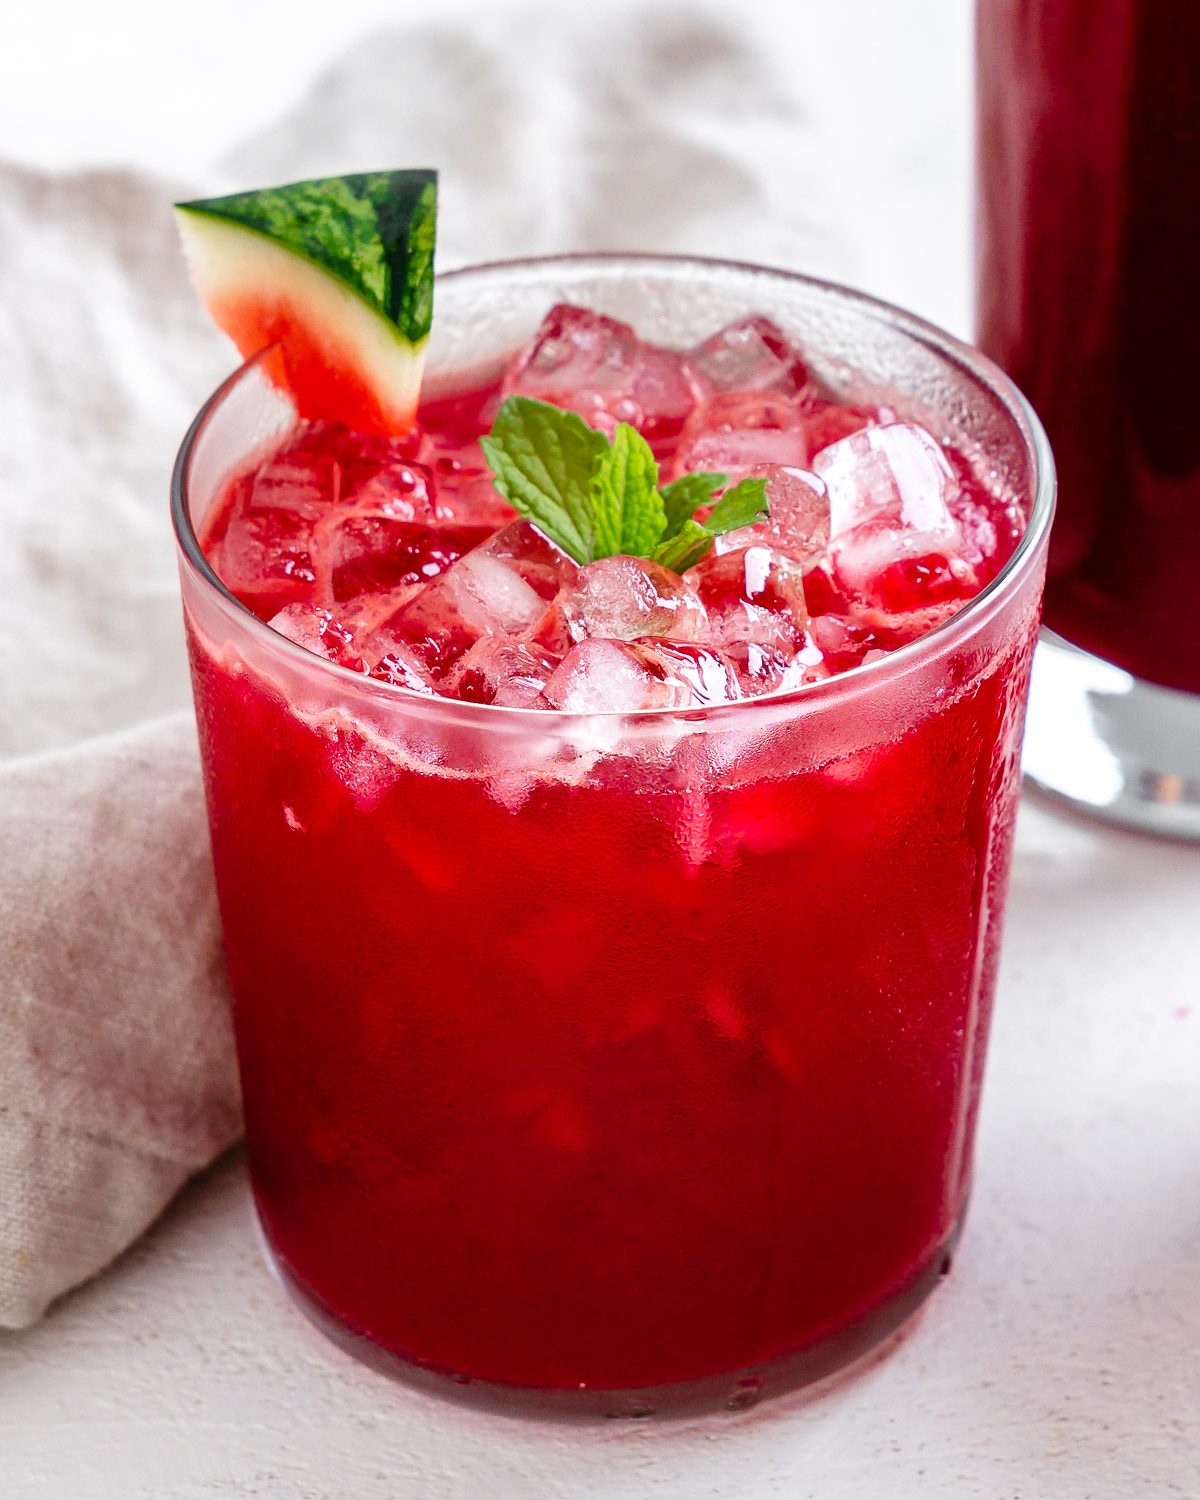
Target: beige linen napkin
116 1064
116 1061
611 127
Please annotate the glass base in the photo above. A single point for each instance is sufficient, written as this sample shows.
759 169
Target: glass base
1110 744
817 1369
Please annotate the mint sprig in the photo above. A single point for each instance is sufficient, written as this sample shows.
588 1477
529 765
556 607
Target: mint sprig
627 510
684 496
597 498
543 468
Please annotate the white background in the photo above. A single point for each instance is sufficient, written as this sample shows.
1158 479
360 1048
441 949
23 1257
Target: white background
1060 1360
177 88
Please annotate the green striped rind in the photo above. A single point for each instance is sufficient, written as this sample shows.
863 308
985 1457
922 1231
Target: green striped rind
373 231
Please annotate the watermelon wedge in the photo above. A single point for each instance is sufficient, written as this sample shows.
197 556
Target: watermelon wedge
336 274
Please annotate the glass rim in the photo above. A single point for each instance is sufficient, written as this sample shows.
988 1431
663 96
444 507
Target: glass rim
956 352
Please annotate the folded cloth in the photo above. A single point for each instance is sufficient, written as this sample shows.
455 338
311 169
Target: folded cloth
652 128
117 1076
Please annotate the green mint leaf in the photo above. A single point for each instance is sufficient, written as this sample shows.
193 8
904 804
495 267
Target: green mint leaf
596 498
684 496
627 510
685 549
740 506
543 459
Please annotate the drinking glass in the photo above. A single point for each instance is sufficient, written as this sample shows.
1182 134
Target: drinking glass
619 1062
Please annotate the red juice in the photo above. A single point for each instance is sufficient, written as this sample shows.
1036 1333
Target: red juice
595 1052
1089 214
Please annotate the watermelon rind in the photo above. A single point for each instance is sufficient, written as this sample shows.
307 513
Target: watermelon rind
338 272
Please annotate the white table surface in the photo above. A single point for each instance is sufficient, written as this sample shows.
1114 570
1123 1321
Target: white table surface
1059 1362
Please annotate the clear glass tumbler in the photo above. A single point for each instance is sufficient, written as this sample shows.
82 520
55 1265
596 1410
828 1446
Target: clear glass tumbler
1089 215
619 1062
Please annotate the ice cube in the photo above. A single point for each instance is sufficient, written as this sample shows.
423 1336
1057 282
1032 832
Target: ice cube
324 463
364 614
695 675
301 475
890 629
893 531
508 673
457 451
492 595
766 669
896 475
265 556
286 482
902 571
486 592
599 676
264 553
449 448
990 531
867 632
603 676
599 367
399 664
842 641
759 667
543 566
354 553
363 456
826 422
736 453
736 430
622 598
753 594
472 496
797 522
396 528
751 354
466 488
319 632
315 504
401 492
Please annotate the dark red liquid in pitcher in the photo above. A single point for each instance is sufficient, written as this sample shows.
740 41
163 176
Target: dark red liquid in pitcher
1089 295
